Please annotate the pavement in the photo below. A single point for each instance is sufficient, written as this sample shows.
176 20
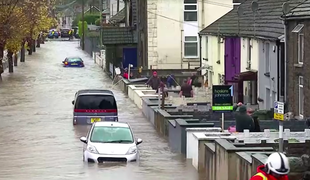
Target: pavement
38 140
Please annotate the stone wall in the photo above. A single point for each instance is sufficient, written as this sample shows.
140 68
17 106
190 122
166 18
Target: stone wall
230 161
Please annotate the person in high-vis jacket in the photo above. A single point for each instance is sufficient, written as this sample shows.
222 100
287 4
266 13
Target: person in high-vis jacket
276 168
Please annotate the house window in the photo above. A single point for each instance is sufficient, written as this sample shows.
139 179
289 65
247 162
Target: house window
300 46
267 59
190 10
301 96
191 46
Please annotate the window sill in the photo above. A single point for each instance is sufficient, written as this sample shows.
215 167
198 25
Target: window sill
191 57
267 74
298 65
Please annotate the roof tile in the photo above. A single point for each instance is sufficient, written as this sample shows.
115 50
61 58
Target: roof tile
118 35
265 23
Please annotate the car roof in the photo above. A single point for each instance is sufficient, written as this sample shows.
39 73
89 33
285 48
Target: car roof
111 124
73 57
94 91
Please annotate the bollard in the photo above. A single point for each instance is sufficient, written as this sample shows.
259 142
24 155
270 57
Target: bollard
267 133
287 134
246 133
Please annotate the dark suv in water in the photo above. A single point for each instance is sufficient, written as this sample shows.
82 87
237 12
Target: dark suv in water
64 33
93 105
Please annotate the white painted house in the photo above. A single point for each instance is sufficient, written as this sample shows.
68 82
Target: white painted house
173 26
246 53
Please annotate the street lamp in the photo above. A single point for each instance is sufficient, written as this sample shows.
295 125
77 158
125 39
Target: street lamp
129 66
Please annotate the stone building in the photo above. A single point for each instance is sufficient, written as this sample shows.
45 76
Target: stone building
298 59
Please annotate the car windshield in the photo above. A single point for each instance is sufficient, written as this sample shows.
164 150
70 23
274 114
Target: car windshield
74 60
110 134
95 102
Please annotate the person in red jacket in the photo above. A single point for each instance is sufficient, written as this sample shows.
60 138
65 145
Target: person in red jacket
276 168
125 75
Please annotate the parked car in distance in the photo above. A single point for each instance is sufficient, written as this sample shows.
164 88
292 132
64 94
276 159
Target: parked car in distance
73 62
64 32
94 105
52 35
110 141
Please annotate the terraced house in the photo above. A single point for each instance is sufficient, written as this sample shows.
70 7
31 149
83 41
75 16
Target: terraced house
168 37
246 49
298 61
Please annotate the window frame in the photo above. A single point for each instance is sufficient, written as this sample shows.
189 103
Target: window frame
300 96
301 48
190 11
191 42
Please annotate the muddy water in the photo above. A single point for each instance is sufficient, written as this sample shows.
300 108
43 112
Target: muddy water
38 140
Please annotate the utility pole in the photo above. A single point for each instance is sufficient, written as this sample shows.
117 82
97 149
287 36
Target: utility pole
83 26
117 6
101 10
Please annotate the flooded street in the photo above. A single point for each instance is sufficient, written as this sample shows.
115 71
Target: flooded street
38 140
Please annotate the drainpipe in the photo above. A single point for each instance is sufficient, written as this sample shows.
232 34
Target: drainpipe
202 14
200 53
182 49
278 44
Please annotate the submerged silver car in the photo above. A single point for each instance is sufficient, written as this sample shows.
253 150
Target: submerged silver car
92 105
110 141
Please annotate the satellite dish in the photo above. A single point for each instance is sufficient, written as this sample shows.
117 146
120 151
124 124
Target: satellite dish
240 11
286 8
254 6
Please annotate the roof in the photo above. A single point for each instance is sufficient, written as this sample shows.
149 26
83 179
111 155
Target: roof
112 35
266 23
118 17
109 124
98 91
301 10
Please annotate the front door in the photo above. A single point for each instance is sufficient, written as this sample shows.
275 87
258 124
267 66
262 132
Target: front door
130 57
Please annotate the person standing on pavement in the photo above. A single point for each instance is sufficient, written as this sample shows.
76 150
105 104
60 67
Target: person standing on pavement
170 80
70 34
276 168
243 120
154 82
186 90
193 80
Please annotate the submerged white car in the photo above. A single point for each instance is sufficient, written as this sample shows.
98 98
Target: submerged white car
110 141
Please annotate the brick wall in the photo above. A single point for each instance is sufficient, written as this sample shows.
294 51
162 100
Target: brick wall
294 71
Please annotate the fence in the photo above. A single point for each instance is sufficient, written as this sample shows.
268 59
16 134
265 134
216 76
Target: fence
92 44
99 58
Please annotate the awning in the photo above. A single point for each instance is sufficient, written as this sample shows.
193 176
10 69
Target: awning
246 76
